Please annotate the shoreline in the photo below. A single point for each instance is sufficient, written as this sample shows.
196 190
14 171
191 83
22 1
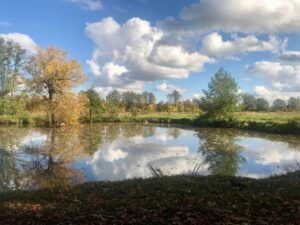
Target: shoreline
291 127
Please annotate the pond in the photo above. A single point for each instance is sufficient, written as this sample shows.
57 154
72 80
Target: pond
35 158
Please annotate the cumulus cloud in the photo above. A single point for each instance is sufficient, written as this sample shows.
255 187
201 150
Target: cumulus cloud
168 88
92 5
271 95
290 56
23 40
136 47
265 16
214 45
282 77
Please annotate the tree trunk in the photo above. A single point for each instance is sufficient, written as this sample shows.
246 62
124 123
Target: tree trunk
51 115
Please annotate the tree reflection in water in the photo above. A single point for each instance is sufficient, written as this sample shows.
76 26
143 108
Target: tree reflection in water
220 151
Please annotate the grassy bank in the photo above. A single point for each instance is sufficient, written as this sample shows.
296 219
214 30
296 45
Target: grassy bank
272 122
280 123
23 119
165 200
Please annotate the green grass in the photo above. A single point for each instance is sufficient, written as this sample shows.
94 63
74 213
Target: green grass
23 119
271 122
276 117
164 200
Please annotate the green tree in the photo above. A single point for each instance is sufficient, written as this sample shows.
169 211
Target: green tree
222 96
94 103
174 97
114 98
293 104
262 105
279 105
12 63
249 103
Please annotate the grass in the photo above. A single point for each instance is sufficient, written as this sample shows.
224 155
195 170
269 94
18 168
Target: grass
277 117
161 200
271 122
23 119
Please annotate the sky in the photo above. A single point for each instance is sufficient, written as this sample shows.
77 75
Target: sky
166 45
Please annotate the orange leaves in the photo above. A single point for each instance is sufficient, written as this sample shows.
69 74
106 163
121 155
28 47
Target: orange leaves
53 77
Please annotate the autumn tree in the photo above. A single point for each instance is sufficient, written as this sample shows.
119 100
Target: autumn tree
53 76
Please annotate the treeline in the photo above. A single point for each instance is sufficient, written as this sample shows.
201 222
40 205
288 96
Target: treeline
135 103
39 88
252 104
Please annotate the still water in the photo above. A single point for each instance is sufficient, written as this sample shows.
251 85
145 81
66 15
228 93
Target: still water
34 158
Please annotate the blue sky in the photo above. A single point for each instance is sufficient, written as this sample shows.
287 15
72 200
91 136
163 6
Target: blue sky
164 45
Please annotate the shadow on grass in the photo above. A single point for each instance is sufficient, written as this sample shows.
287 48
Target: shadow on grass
163 200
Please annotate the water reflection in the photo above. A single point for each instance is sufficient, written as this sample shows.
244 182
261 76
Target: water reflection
33 158
221 151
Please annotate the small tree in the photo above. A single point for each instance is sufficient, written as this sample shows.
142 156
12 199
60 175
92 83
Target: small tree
262 105
249 102
293 104
279 105
222 96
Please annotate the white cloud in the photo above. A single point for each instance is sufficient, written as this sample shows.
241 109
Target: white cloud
23 40
92 5
282 77
198 96
168 88
95 68
214 45
271 95
177 57
135 45
290 56
264 16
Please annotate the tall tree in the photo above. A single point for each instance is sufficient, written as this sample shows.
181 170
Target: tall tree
12 62
222 96
114 98
94 102
53 76
174 97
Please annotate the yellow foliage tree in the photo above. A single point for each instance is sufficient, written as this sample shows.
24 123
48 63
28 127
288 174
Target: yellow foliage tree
71 107
53 77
